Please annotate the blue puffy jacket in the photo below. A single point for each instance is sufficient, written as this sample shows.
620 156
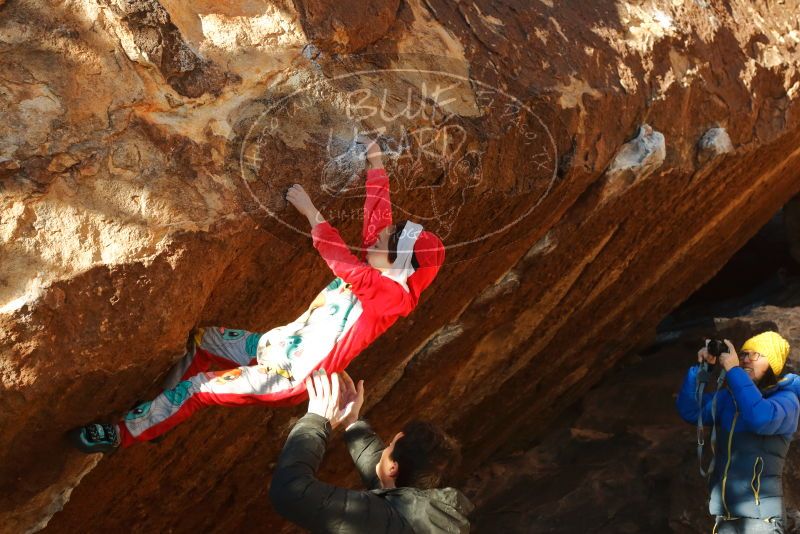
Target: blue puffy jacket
754 429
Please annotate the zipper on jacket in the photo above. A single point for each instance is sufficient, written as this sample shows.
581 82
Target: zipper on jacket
755 484
728 464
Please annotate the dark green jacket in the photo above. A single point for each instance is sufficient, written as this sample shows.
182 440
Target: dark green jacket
319 507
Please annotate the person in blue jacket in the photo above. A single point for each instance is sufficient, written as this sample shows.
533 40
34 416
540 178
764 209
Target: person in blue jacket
756 415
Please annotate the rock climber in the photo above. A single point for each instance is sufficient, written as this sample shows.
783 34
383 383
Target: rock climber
403 478
395 264
756 414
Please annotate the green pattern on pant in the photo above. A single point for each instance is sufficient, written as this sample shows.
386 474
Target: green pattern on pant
260 363
179 393
140 411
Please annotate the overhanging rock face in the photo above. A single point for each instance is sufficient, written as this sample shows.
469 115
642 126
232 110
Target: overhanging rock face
587 167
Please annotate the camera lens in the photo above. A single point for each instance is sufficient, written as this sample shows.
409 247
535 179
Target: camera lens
716 347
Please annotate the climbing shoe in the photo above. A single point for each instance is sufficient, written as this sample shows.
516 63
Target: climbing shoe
95 437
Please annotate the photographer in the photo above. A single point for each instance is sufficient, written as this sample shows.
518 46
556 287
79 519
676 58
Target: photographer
402 478
755 414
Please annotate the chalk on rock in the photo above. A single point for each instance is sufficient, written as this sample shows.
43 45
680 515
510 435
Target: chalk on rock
714 143
310 51
346 157
344 164
642 155
636 160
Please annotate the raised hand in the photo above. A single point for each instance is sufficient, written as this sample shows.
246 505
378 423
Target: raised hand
350 401
729 359
323 395
336 398
298 198
704 355
374 153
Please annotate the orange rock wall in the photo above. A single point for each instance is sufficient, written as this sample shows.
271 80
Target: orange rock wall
628 150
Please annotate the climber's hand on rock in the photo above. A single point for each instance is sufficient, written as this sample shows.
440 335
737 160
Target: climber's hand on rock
374 153
298 198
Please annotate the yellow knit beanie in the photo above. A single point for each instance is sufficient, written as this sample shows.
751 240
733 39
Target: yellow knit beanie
772 346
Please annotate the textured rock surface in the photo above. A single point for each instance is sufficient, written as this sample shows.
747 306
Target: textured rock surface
635 161
139 163
343 28
714 143
792 212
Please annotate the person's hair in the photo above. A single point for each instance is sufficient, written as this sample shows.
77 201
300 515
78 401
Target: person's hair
394 239
769 379
425 455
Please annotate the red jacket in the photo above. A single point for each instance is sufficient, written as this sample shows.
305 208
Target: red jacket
382 299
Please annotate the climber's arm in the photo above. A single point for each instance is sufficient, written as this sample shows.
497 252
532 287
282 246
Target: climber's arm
377 293
298 198
377 204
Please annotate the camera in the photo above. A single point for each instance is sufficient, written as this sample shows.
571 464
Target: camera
716 347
